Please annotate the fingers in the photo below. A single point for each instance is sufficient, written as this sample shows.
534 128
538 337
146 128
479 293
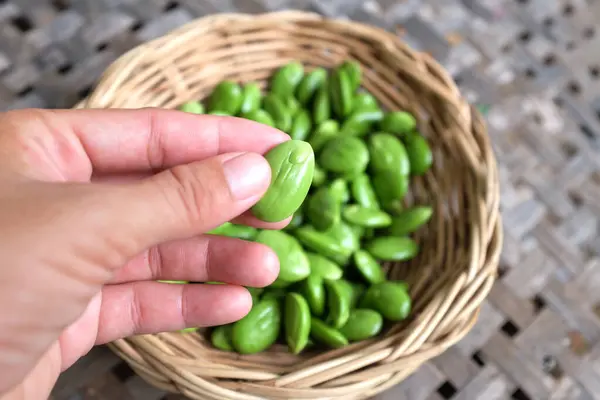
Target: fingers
204 258
245 219
151 307
185 201
155 139
191 199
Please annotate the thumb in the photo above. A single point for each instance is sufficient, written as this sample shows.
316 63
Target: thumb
191 199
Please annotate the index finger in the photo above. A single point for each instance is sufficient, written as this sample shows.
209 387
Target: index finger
118 141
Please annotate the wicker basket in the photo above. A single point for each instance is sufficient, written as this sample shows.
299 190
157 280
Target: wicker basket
460 246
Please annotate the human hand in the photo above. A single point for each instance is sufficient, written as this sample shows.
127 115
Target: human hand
96 206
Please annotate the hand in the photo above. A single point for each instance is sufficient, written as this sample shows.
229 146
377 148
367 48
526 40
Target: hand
96 206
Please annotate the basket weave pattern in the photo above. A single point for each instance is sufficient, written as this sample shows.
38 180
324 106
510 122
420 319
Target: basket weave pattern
459 248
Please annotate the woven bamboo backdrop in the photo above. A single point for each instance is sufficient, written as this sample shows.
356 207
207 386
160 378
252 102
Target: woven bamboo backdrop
532 65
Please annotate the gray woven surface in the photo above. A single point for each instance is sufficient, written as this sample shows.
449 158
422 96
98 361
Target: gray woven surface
535 64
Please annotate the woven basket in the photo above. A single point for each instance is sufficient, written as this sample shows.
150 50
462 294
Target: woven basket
460 246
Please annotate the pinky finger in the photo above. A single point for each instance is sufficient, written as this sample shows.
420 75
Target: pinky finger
151 307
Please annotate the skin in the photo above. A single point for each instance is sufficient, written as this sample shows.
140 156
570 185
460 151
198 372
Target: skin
96 206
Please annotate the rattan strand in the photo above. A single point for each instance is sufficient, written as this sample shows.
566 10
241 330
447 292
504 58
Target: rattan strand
460 247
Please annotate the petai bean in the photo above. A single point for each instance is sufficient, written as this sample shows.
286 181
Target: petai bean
226 98
292 167
327 335
259 329
296 322
392 248
362 324
388 298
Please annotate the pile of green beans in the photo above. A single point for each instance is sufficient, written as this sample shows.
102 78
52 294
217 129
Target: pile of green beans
343 177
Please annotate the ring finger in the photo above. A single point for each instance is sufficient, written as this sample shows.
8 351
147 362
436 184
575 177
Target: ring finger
204 258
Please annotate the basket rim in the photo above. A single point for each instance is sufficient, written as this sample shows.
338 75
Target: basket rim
118 70
150 362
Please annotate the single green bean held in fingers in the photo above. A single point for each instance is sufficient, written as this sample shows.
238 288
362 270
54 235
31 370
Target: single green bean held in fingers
292 167
344 180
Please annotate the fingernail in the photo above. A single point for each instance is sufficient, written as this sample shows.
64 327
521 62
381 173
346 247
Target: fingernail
248 175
